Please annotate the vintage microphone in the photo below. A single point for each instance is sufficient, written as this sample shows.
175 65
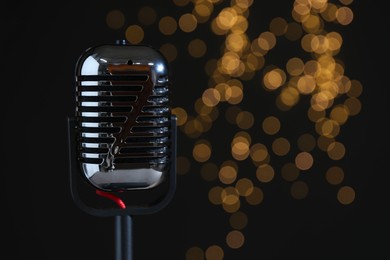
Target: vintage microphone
122 139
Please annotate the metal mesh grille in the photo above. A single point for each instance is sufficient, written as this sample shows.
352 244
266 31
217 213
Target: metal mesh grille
123 118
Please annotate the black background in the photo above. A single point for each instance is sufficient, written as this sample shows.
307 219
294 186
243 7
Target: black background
41 42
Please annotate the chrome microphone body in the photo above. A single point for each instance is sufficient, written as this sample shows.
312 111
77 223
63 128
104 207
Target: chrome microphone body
123 117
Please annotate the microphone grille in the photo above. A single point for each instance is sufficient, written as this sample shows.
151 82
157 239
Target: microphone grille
123 117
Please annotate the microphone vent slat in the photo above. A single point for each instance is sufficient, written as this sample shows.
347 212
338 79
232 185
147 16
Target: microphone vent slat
97 140
105 119
91 160
107 109
160 90
108 88
153 120
103 98
136 78
94 150
108 130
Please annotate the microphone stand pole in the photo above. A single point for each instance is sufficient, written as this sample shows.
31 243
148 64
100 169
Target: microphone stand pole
123 237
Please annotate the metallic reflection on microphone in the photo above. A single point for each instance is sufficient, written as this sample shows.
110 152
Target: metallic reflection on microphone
123 117
123 136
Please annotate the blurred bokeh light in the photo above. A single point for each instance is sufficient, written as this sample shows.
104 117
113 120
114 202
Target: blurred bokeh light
243 143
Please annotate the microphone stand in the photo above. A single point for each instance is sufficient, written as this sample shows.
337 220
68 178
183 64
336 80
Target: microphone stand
123 237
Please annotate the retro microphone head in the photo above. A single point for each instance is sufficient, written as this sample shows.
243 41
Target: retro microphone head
123 129
123 117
